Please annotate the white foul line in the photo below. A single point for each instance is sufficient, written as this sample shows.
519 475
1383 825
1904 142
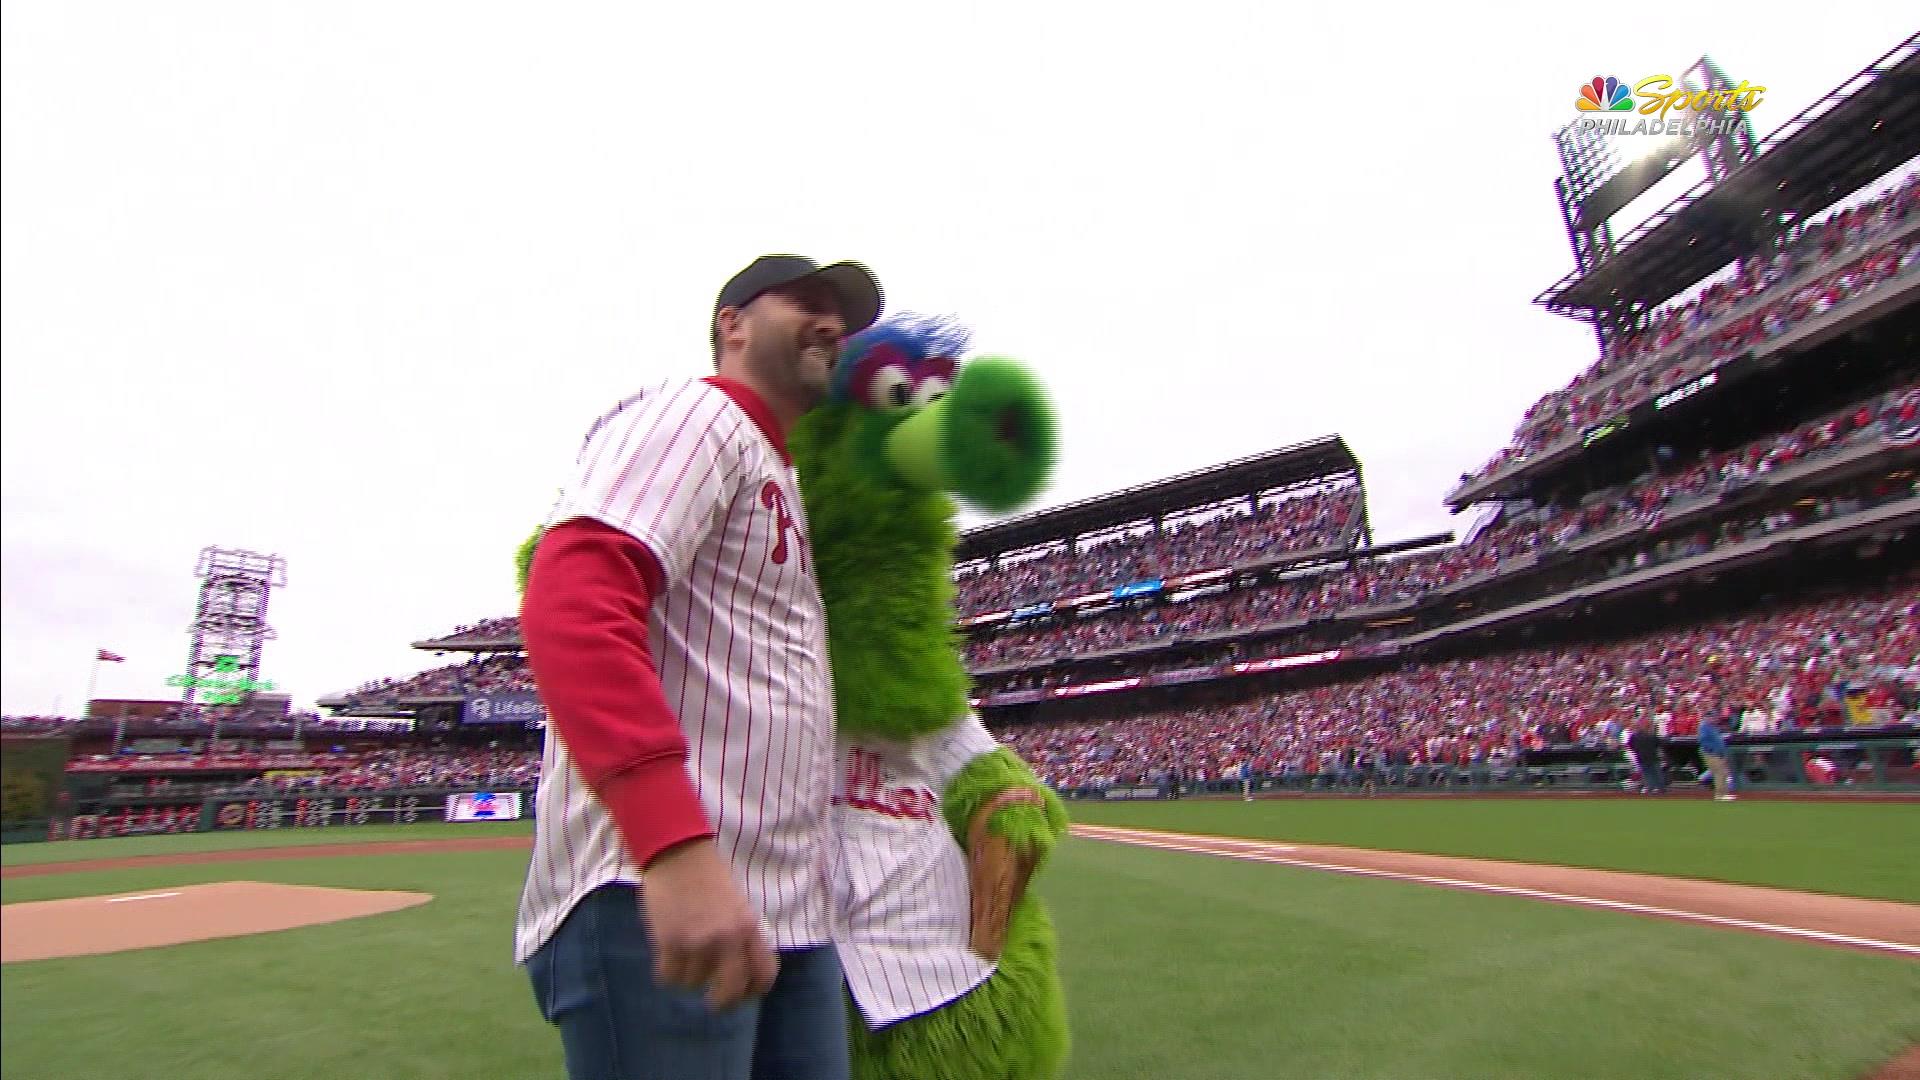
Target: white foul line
142 896
1264 853
1155 834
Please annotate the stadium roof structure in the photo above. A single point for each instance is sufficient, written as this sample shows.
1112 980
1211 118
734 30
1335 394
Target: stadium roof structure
1859 132
1321 458
470 642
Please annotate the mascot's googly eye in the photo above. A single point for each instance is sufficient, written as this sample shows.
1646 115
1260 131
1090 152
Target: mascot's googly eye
890 388
931 389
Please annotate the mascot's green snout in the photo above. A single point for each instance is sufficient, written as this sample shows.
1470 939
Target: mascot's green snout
989 441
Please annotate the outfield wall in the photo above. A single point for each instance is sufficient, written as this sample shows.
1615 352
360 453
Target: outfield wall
312 810
1860 762
1854 762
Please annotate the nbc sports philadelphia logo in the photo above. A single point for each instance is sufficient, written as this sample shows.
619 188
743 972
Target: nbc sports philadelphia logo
1607 107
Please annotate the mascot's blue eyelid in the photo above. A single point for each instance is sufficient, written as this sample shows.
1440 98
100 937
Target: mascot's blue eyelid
915 337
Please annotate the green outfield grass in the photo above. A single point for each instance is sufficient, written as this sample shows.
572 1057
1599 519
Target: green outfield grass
1179 967
1854 849
123 847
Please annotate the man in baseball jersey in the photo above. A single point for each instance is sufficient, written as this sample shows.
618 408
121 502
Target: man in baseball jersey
675 921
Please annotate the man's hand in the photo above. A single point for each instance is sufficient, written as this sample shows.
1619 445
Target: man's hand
705 934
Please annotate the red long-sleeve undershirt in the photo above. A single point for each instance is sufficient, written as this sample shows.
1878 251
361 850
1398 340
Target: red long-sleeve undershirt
584 622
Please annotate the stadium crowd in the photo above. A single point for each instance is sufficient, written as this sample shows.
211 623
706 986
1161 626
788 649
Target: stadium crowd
1764 299
1645 503
392 770
1302 523
1324 518
1824 664
505 628
183 721
481 675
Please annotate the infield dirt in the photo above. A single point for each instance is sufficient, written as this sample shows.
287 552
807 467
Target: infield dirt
91 925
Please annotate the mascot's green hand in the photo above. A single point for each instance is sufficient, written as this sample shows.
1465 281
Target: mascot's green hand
1031 826
1017 807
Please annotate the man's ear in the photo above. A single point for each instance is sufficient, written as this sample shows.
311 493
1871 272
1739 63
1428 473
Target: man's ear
728 324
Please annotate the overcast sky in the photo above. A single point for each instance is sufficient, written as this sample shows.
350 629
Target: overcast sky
347 281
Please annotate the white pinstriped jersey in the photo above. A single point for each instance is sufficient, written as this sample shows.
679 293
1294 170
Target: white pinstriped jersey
738 638
899 876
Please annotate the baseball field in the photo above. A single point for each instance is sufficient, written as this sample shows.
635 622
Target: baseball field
1293 948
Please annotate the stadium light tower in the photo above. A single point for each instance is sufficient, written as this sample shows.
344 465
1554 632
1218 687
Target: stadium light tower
1602 172
230 624
1732 144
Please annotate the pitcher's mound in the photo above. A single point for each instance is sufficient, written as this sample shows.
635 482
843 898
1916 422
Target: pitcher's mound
87 925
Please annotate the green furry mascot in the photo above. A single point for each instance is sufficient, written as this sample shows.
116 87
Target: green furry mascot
949 961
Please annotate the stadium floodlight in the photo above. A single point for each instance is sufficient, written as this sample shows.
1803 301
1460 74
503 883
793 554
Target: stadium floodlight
229 626
1615 151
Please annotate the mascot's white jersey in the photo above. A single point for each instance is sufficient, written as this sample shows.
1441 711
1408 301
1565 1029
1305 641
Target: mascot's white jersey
899 878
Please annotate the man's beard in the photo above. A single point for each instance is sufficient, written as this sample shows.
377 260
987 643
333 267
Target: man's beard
788 365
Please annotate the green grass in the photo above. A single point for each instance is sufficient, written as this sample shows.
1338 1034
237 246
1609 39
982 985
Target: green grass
426 992
122 847
1179 967
1859 849
1192 966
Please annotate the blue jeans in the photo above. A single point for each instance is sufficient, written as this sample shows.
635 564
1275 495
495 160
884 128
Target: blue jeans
594 981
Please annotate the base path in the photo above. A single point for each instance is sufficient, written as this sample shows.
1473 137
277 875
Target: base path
1880 926
88 925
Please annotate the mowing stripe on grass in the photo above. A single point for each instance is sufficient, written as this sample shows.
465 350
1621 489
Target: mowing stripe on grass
1226 847
257 854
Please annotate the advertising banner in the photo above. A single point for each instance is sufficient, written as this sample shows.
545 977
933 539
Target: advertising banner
483 806
504 707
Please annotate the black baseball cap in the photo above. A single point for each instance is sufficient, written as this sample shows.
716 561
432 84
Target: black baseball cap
854 284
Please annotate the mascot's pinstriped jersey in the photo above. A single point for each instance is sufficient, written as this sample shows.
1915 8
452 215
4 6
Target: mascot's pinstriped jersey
899 876
949 961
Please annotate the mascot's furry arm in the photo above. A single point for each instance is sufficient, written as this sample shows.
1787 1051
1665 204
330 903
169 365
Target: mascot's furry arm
1031 825
906 430
1007 823
523 559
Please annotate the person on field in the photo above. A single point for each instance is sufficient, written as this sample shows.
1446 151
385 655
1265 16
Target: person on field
1713 750
1649 756
676 922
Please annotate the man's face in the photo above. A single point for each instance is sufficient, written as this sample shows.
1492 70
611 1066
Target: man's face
794 335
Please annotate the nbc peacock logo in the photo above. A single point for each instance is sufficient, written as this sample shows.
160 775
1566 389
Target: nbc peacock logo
1604 95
